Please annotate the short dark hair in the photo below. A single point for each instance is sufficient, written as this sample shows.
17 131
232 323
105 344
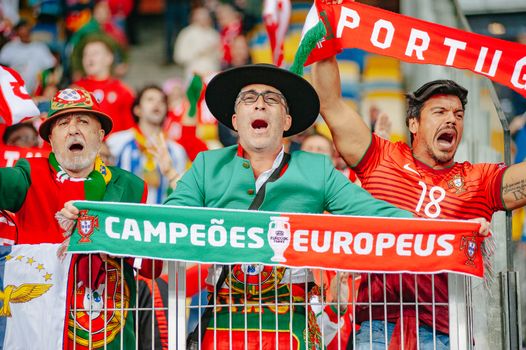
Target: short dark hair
416 100
141 92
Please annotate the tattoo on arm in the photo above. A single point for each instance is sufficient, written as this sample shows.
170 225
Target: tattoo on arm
517 189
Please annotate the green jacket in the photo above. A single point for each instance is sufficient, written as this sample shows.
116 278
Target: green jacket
310 184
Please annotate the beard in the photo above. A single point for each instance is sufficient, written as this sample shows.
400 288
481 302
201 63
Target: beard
441 158
76 163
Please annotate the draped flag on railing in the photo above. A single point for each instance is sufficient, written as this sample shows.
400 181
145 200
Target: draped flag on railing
276 15
225 236
33 297
15 103
355 25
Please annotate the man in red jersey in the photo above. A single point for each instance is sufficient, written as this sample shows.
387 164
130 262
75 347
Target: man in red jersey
114 97
423 179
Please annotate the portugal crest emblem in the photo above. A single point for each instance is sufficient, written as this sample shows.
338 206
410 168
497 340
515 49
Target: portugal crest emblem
85 225
469 246
69 98
257 279
97 316
457 183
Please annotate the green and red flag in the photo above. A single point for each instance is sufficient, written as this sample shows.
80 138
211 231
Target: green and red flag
355 25
361 244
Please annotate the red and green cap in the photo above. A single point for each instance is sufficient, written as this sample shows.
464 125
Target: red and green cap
73 100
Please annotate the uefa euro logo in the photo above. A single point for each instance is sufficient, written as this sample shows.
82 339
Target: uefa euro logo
279 237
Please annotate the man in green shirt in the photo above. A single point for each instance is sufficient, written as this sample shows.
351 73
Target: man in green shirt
264 104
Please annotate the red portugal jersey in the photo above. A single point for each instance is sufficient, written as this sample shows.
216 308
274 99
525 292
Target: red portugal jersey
115 99
464 191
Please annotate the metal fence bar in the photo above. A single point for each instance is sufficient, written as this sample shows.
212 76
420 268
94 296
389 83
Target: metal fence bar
172 308
181 305
458 334
237 304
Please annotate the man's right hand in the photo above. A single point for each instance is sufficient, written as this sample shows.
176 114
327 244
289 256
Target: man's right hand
66 220
70 211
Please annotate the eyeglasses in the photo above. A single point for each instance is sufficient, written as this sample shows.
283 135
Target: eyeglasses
269 97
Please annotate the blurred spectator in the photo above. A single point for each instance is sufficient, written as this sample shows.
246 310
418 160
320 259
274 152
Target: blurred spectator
174 89
197 48
46 28
380 122
120 10
27 57
318 143
6 30
143 151
49 82
251 10
230 26
175 19
77 14
105 154
114 96
21 135
9 10
240 54
102 13
178 125
100 25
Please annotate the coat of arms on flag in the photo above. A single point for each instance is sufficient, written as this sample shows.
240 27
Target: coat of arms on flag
469 245
85 225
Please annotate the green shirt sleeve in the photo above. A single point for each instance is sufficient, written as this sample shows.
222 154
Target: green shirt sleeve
14 184
190 189
345 198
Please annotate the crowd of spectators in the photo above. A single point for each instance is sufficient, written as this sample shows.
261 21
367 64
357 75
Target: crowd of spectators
154 131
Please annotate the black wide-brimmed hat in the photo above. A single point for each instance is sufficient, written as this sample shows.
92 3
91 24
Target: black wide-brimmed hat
302 99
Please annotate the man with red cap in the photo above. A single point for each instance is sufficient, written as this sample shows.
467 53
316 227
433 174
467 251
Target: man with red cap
36 190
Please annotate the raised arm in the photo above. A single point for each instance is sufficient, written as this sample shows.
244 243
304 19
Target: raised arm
514 186
350 133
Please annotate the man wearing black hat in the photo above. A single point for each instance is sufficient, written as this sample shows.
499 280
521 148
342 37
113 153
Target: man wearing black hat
423 179
263 104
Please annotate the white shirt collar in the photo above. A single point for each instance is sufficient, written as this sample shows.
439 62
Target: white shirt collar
263 177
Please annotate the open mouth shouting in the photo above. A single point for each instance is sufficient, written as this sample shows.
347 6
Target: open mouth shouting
259 125
446 139
76 146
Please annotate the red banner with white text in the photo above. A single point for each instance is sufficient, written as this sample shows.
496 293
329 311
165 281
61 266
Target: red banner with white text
10 154
355 25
